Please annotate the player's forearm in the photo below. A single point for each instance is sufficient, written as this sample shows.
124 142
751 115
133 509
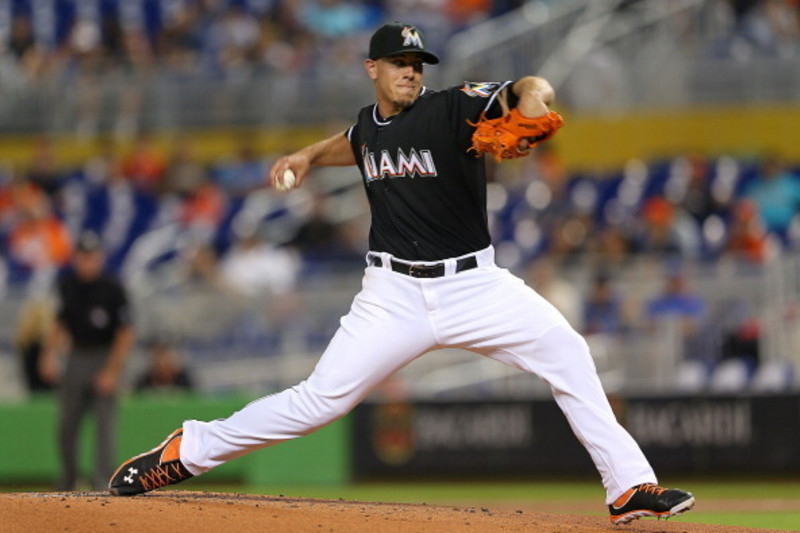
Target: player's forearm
535 95
56 343
333 151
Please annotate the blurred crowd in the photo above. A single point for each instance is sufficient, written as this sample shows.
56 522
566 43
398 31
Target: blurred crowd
110 65
211 38
757 28
212 230
222 237
691 206
214 237
240 38
125 196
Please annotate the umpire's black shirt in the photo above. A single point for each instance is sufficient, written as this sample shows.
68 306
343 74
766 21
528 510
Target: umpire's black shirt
92 311
426 193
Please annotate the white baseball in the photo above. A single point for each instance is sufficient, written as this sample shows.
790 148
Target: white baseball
287 181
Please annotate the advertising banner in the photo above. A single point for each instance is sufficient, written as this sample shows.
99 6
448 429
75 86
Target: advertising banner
678 434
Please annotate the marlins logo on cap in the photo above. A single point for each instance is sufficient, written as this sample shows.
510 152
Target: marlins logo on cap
411 37
397 38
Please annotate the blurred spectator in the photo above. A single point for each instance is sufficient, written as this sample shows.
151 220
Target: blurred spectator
465 13
165 372
234 37
34 322
763 28
334 18
428 15
200 272
39 241
549 165
243 173
688 186
29 55
611 246
93 328
145 165
254 267
776 192
180 42
571 237
184 174
194 300
201 212
747 239
667 230
21 39
17 195
86 64
677 301
44 171
603 310
742 343
316 239
543 276
133 73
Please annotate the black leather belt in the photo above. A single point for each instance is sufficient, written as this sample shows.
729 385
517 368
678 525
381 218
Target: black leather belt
416 270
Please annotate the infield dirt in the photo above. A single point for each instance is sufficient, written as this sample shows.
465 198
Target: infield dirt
195 512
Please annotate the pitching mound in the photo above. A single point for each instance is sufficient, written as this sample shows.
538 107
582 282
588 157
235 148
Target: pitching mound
192 512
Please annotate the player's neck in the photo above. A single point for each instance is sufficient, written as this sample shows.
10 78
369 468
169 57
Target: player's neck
387 110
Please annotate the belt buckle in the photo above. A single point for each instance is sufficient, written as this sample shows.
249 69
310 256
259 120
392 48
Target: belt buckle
417 271
425 271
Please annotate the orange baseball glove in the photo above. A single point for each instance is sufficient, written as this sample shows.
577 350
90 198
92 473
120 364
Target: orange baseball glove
513 135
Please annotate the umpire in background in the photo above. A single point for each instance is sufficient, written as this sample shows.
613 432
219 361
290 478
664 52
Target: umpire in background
93 327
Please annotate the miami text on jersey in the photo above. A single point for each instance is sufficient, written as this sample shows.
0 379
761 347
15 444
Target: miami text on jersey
417 163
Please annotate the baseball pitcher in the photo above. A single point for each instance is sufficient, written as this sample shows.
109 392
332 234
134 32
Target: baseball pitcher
430 279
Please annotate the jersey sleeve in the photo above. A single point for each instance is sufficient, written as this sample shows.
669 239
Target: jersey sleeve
353 135
471 100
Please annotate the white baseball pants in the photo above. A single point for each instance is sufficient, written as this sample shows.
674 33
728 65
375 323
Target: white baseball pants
395 319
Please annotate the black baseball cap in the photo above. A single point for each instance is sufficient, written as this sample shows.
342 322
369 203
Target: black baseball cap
397 38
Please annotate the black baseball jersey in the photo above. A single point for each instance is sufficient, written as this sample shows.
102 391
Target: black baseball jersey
427 194
92 311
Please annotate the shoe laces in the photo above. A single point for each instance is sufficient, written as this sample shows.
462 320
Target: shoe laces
162 475
651 488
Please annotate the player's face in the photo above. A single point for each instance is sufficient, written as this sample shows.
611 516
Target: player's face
88 265
398 80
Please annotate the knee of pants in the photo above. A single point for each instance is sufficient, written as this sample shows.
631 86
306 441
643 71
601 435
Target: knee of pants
564 347
322 408
570 340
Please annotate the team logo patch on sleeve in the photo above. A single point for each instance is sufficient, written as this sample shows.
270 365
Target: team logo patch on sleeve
483 89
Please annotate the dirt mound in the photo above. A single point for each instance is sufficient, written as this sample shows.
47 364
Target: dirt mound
195 512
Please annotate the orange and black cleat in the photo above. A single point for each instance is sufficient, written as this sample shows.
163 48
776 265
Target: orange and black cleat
649 499
151 470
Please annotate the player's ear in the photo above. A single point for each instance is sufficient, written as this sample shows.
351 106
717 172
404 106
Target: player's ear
372 68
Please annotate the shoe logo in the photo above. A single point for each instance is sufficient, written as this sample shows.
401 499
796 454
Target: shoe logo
129 478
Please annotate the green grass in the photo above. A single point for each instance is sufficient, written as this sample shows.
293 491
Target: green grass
755 502
787 520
